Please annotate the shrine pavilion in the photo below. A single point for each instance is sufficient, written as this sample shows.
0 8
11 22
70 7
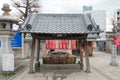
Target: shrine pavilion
59 27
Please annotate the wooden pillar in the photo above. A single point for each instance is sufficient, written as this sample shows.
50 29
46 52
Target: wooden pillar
38 50
86 54
81 53
32 55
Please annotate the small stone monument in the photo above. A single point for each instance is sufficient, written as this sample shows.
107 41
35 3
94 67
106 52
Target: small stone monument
114 56
6 34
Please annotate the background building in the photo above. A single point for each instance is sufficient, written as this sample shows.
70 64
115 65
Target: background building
118 16
87 8
115 32
99 17
118 27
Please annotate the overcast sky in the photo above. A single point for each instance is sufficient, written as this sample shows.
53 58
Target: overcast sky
75 6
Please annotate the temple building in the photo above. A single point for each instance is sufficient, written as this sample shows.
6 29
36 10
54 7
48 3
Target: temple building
61 32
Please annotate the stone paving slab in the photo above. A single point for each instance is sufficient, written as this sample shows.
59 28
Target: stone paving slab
35 78
100 70
101 63
94 75
49 74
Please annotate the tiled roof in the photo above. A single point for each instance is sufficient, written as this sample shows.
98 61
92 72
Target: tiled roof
92 36
58 23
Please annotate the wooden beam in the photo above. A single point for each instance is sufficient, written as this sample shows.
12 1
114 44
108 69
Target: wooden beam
38 50
32 55
59 38
55 36
86 55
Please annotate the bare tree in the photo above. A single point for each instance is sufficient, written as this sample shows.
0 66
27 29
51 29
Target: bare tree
114 23
25 7
116 31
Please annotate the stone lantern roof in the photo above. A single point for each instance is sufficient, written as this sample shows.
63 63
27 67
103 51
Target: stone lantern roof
6 9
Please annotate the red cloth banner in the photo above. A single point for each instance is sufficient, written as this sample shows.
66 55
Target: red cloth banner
59 46
73 44
63 44
50 44
47 46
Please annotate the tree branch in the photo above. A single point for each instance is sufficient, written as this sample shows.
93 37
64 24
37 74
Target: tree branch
32 1
28 6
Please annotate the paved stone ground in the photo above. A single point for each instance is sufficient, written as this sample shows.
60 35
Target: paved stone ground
61 76
101 63
100 70
1 76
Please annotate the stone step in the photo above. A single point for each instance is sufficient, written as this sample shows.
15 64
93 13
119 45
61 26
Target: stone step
59 67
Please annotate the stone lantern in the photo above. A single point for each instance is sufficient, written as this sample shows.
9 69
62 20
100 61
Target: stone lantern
6 34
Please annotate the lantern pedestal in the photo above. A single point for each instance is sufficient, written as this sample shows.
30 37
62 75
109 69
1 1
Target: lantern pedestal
6 52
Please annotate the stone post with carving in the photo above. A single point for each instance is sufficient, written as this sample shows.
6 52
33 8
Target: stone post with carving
114 56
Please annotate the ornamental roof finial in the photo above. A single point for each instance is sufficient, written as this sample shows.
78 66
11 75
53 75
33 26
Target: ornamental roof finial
6 9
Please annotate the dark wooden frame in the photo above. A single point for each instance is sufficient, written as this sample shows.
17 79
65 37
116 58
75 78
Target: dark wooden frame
82 38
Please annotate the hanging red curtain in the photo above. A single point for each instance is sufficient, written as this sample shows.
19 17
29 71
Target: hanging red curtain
66 42
63 44
73 44
50 44
47 46
60 44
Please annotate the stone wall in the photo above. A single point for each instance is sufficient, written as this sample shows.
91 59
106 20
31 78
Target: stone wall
18 51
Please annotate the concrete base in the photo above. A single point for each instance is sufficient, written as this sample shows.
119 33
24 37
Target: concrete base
37 67
59 67
114 64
